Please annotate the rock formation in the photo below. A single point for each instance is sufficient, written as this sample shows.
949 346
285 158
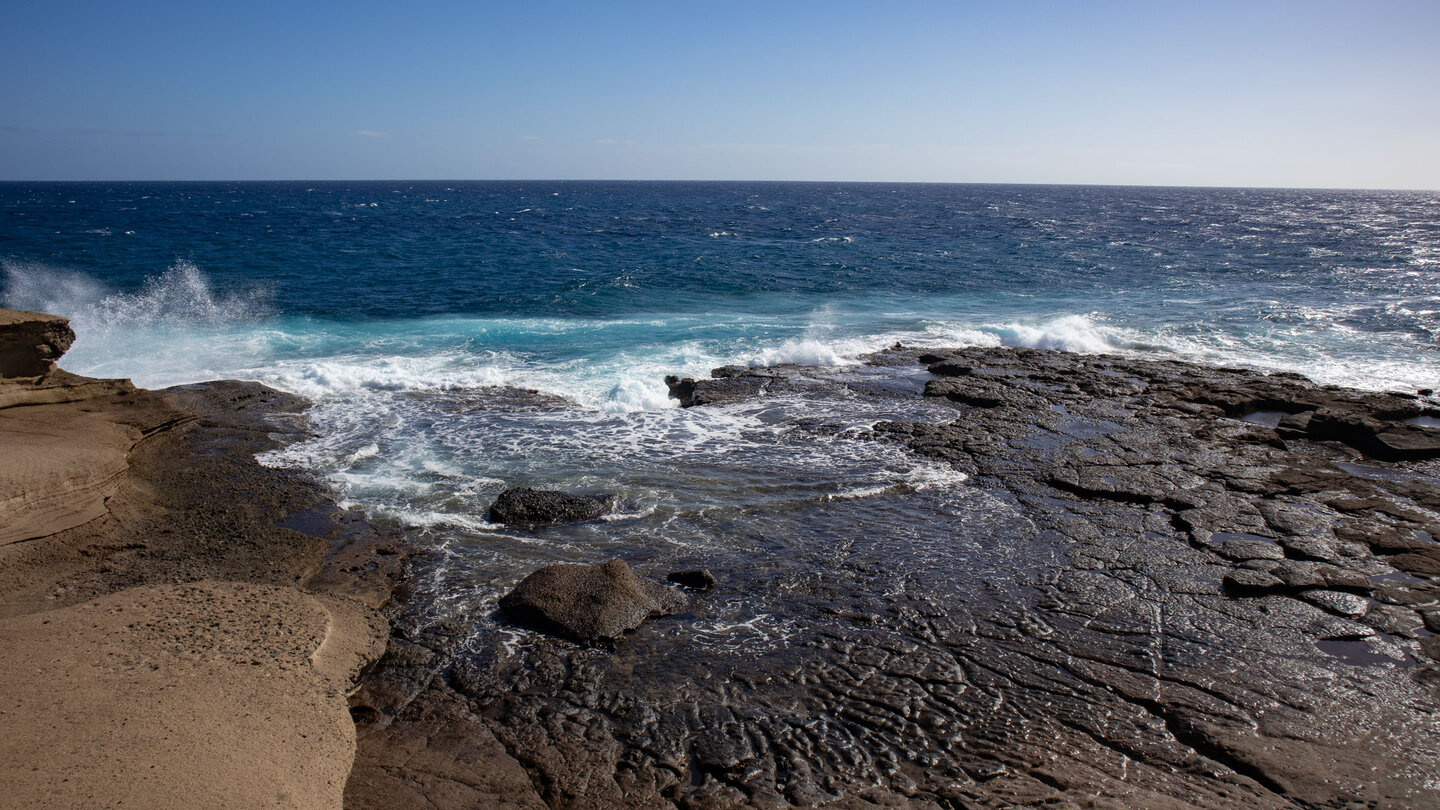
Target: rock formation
523 506
589 602
31 342
1159 587
180 624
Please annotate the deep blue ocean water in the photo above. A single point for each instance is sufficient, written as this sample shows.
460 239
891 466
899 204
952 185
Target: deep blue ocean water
397 307
523 279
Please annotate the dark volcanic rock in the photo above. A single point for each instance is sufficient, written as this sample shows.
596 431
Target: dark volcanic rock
698 578
31 342
589 602
1385 439
523 506
1139 598
718 391
730 384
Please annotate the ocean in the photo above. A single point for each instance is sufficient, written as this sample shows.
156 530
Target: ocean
457 338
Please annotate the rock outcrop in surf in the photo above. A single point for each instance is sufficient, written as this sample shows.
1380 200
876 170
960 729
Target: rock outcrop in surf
523 506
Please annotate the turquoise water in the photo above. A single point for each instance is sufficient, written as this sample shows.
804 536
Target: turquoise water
398 308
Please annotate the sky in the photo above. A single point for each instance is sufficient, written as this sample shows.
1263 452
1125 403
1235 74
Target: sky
1292 94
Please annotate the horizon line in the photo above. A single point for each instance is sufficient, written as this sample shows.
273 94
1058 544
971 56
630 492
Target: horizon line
775 181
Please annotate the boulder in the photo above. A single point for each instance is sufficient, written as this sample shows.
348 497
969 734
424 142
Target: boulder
31 342
523 506
698 578
589 602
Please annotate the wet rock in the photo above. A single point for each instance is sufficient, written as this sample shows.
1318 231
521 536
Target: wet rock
1249 582
1241 550
31 342
1407 442
728 387
1424 563
523 506
492 399
589 602
698 578
1341 604
1396 621
1387 439
1299 575
1093 621
1320 549
1432 620
1294 425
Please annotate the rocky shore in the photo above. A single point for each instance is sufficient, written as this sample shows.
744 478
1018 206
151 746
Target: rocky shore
180 625
1164 586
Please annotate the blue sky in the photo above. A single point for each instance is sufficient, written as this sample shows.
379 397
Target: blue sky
1256 94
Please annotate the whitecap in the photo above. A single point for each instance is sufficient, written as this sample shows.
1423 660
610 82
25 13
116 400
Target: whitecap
803 352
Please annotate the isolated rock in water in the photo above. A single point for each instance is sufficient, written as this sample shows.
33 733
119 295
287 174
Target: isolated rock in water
700 579
727 386
539 507
589 602
31 342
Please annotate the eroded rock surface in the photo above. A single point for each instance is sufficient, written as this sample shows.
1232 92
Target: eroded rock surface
181 624
31 342
1138 599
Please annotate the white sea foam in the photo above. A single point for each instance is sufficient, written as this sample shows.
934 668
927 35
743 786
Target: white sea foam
616 517
179 328
1070 333
442 371
398 456
802 352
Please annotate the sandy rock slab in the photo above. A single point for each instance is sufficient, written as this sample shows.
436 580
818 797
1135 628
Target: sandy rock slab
209 694
60 465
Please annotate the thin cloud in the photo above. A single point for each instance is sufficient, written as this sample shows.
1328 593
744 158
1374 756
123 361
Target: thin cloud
529 137
372 133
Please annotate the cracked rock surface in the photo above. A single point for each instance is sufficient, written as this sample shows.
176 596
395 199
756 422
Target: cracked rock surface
1162 586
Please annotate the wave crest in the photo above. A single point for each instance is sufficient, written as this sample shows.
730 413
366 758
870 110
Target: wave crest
802 352
1069 333
181 295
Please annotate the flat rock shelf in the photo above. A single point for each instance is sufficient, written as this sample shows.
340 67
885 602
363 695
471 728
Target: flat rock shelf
179 626
1146 597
